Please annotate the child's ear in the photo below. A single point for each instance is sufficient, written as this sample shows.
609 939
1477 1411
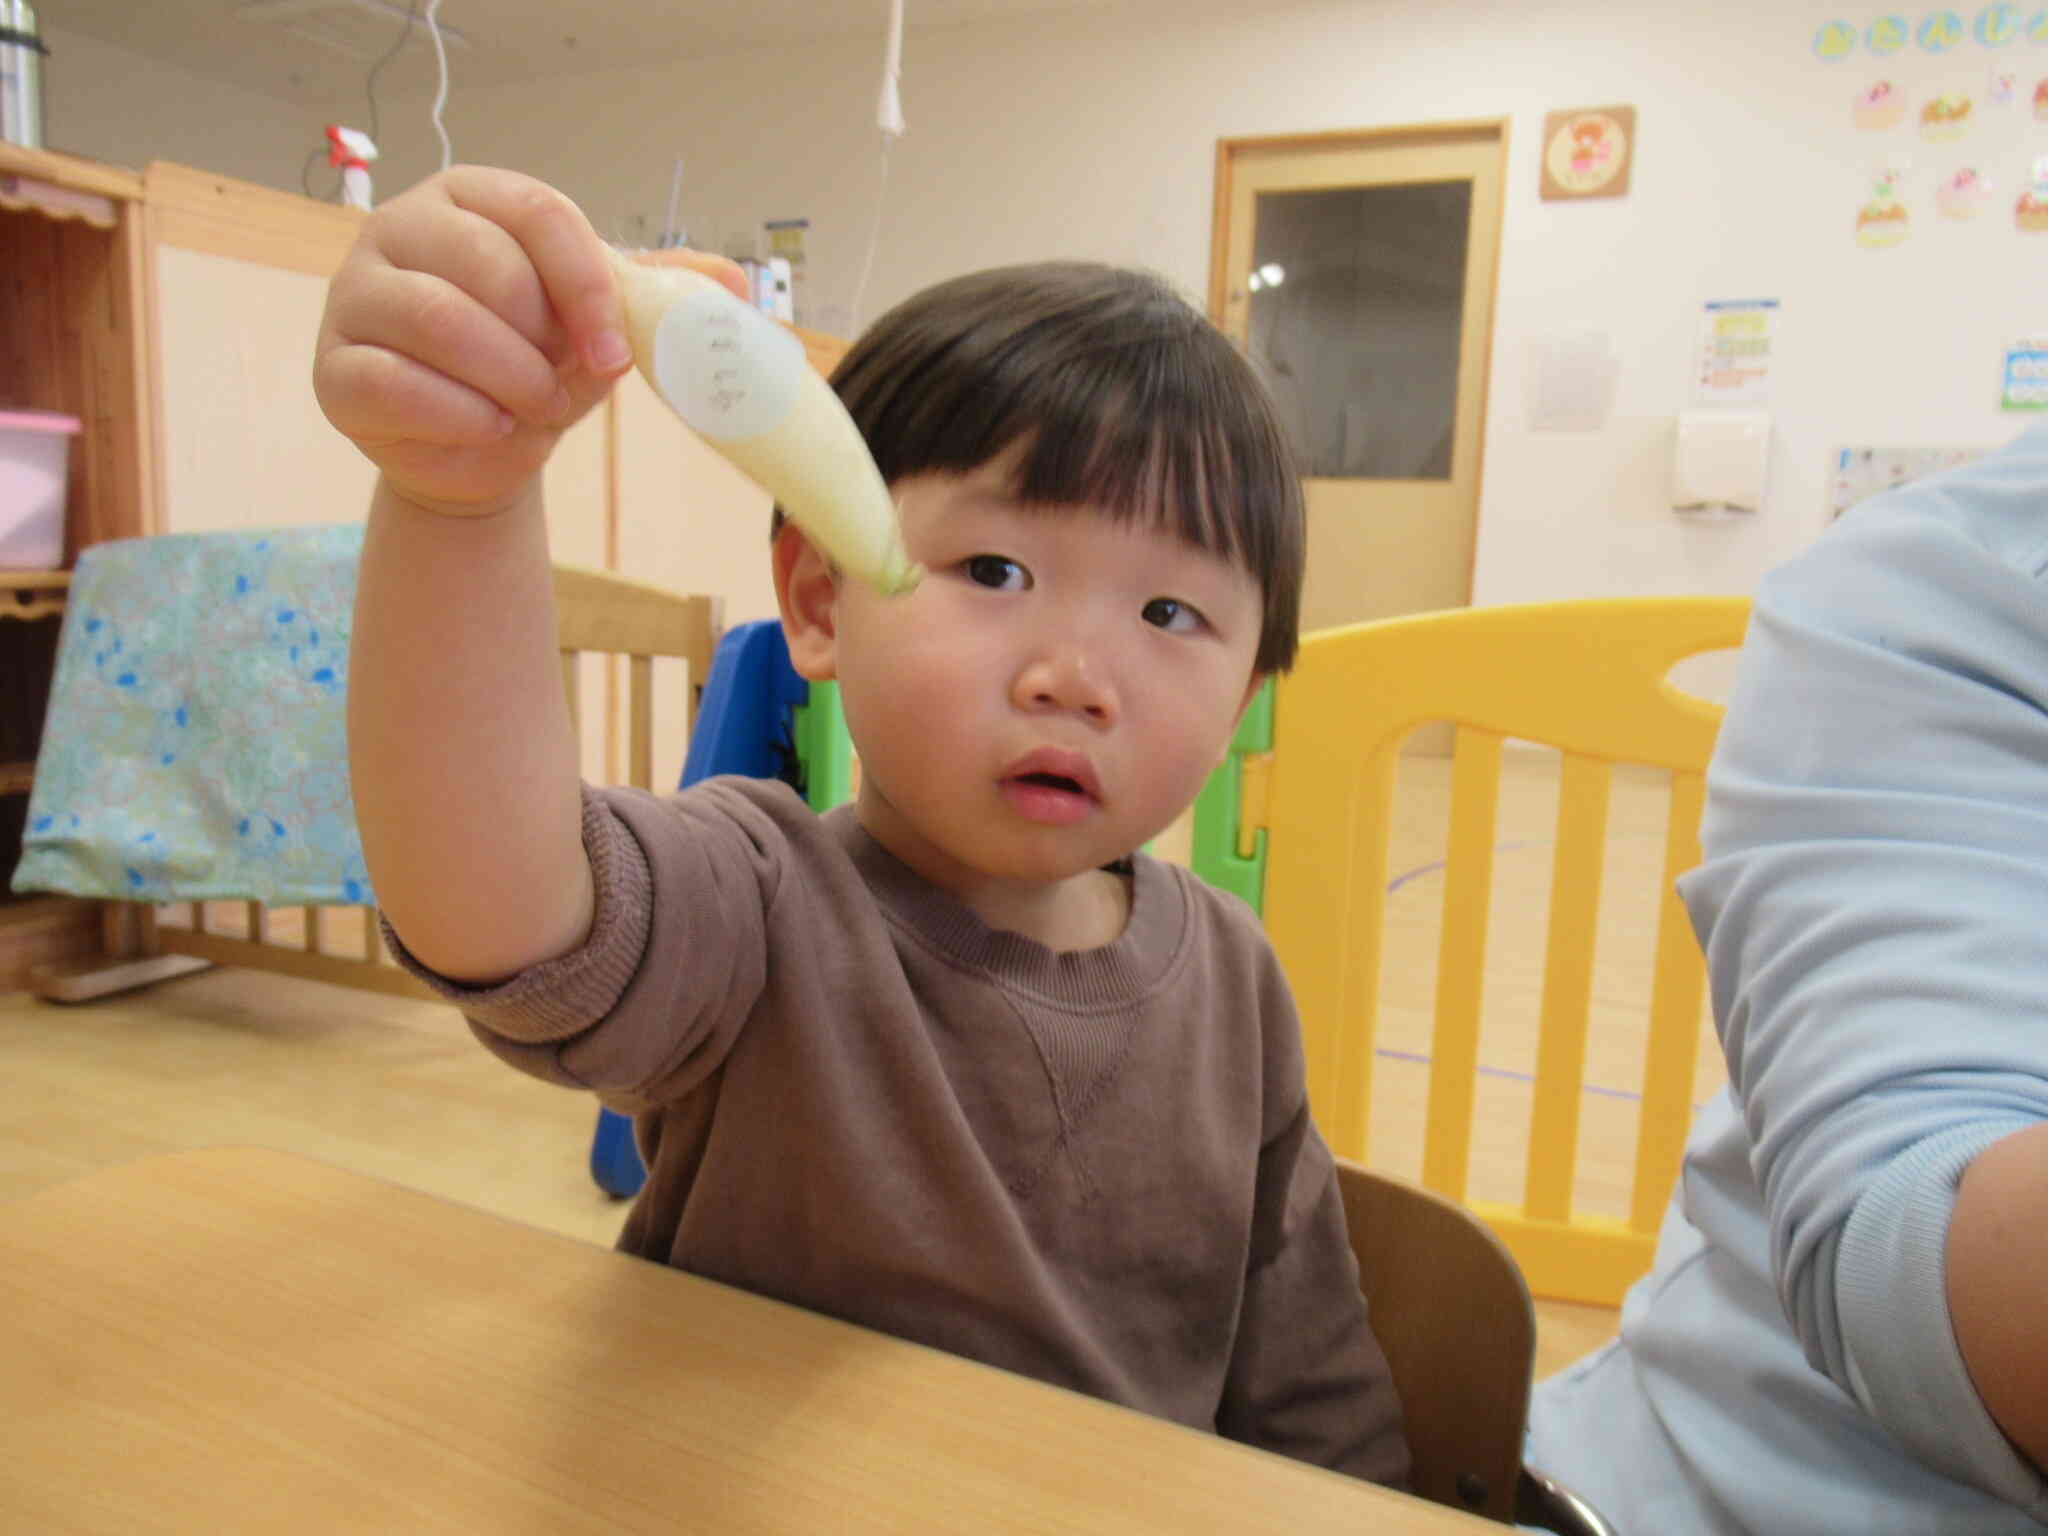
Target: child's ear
807 590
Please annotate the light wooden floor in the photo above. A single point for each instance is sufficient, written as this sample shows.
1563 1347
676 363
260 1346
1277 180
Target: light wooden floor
398 1089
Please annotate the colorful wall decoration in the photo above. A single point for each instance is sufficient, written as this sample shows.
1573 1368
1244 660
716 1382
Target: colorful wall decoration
1588 152
1949 109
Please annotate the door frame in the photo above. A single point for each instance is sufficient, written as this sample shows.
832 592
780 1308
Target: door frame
1230 150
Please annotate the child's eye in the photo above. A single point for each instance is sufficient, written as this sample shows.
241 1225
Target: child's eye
998 571
1171 613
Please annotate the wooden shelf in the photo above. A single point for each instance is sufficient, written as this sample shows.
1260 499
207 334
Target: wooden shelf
32 594
70 173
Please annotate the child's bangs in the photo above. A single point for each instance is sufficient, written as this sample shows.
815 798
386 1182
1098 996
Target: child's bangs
1144 441
1100 388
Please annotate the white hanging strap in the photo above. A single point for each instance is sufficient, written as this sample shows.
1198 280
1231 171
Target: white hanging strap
890 115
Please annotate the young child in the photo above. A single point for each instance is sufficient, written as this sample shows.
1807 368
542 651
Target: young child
955 1062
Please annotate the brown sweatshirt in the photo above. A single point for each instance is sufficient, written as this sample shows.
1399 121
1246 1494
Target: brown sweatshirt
1093 1168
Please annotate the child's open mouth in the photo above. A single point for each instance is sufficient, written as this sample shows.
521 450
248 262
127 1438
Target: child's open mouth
1055 789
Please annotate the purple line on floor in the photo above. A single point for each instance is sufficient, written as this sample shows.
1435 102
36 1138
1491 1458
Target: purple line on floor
1515 1077
1436 864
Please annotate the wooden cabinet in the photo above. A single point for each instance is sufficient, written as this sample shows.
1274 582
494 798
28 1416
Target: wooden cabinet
73 338
74 328
32 928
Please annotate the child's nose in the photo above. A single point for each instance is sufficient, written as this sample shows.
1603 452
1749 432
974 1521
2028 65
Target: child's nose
1065 677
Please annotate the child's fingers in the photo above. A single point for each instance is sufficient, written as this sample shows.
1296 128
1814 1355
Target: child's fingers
565 252
377 396
484 261
422 316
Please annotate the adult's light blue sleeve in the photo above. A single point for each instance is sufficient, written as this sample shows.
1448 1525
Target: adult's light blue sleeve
1874 906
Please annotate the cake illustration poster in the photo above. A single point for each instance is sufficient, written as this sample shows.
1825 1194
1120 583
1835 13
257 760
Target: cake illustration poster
1882 221
1962 193
1588 152
2030 213
1879 106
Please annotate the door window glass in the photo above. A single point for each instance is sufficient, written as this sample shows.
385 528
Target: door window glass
1356 308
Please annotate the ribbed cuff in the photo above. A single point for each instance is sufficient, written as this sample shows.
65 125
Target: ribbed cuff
1891 1288
566 995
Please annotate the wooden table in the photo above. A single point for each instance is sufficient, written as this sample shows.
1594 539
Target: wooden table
243 1340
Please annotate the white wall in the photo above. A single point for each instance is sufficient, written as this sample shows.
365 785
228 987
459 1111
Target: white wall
1094 134
106 103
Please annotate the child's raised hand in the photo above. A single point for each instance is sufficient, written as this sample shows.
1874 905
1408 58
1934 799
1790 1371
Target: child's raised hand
474 321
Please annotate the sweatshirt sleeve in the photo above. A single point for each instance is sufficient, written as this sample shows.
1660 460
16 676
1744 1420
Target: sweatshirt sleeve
1870 905
1307 1377
648 1005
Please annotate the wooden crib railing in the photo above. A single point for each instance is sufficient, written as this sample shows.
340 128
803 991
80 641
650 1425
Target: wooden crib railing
597 614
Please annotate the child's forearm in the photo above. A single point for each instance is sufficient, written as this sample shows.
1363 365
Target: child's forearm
461 753
1997 1255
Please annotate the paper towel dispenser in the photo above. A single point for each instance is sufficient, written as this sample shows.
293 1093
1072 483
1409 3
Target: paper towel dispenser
1719 460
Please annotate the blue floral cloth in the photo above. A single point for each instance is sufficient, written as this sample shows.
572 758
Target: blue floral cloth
195 745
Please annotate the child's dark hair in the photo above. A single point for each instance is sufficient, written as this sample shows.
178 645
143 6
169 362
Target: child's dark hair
1121 395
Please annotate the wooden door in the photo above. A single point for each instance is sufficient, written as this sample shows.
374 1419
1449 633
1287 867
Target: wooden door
1357 269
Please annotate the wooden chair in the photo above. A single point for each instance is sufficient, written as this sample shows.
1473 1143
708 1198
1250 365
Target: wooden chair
1589 679
1451 1310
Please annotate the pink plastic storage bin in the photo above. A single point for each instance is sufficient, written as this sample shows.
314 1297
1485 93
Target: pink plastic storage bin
35 451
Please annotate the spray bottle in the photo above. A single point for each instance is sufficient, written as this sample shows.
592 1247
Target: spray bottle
352 151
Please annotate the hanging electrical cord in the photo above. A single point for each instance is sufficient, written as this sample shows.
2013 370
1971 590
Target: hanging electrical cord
333 194
441 95
889 118
412 15
867 264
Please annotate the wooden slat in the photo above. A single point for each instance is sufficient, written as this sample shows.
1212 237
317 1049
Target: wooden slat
1567 985
373 937
1677 992
599 611
1461 961
336 969
572 685
312 929
640 699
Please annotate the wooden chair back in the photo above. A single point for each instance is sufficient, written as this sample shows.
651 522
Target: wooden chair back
597 611
1450 1309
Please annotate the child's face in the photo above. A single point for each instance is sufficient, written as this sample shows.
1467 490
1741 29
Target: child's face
1052 695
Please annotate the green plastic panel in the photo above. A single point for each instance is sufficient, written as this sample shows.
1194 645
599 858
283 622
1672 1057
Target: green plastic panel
1215 857
823 748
